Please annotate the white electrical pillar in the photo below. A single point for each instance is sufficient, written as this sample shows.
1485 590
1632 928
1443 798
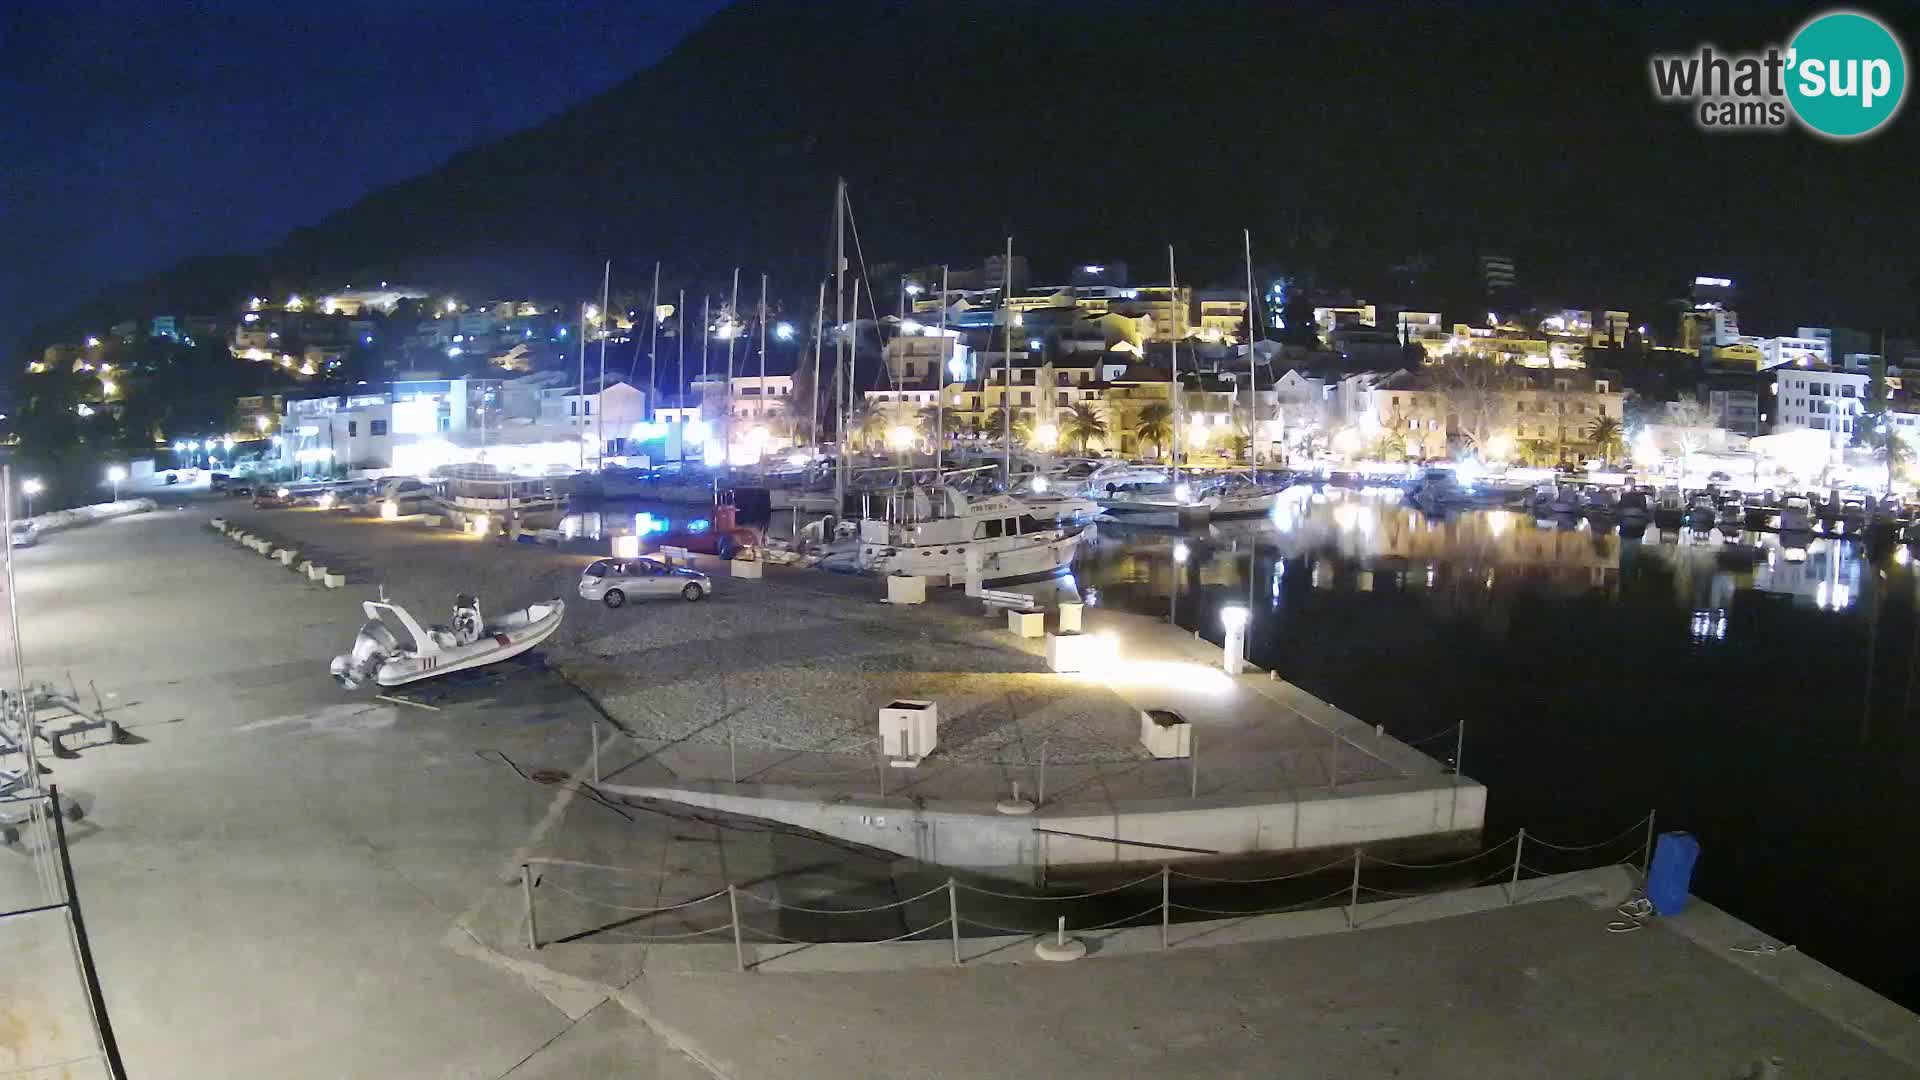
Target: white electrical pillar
1235 620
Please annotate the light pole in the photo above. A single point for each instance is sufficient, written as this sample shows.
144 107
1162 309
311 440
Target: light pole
114 476
30 487
1180 554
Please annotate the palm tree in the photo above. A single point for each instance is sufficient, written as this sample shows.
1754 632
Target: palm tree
938 420
997 425
1155 425
1083 425
1604 433
1538 452
870 424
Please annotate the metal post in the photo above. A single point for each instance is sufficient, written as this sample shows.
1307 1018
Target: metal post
1193 763
1353 891
1333 765
733 759
96 1000
1460 749
953 917
1646 854
1166 902
526 890
1040 798
595 724
880 767
1060 932
739 950
1519 844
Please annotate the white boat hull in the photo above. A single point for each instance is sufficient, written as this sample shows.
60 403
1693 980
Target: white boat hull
433 653
1002 561
1245 505
1155 511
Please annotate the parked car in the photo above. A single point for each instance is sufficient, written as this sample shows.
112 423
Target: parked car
613 581
25 534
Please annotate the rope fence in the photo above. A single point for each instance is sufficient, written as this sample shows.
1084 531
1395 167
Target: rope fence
1394 882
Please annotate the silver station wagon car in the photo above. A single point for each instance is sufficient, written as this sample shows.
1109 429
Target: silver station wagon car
615 581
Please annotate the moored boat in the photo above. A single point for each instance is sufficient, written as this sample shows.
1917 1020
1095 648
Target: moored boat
393 649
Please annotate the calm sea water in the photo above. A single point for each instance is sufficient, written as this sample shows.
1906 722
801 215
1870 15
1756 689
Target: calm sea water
1758 695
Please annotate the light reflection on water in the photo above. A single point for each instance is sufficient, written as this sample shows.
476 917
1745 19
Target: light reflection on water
1755 689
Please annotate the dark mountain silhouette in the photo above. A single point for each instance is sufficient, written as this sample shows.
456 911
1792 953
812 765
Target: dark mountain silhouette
1347 137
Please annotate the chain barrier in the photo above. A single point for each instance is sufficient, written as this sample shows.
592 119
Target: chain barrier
1509 873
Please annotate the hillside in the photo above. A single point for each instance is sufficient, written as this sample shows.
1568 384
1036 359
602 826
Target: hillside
1345 137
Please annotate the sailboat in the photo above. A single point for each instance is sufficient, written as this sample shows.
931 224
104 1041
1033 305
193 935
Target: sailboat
1171 501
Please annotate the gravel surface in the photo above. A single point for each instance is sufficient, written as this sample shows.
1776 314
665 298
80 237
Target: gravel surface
801 661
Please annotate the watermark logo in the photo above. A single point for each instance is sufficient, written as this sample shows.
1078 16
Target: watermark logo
1842 76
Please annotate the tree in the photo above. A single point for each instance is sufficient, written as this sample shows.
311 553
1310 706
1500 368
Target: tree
1475 391
1538 453
1300 329
1155 425
869 424
1875 429
1604 434
1083 425
1688 423
938 422
997 425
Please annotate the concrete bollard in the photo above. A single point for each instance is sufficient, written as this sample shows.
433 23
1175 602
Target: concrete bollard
1026 624
1069 617
334 581
315 573
746 568
906 589
286 557
305 565
218 523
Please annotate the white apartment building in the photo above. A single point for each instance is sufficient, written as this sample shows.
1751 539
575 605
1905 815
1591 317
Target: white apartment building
1798 351
1819 399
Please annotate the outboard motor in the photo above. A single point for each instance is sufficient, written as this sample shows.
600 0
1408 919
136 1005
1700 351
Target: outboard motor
371 648
466 619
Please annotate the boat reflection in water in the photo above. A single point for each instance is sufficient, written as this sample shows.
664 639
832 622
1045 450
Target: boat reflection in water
1758 689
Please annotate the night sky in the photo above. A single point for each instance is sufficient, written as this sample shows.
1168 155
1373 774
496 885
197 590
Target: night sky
139 132
1356 134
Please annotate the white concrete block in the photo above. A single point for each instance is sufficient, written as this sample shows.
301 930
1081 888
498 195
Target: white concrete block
750 569
909 730
1070 616
1026 624
286 556
305 565
315 573
334 581
1166 734
906 589
218 523
1076 652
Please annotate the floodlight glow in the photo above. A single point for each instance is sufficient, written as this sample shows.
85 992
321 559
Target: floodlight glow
1233 617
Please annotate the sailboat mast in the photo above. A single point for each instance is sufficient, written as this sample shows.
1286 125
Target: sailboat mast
819 318
839 343
761 408
1173 358
1253 385
600 396
653 344
680 323
1006 392
940 388
582 388
733 331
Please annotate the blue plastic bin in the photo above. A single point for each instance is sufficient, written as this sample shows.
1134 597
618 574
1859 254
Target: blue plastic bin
1671 877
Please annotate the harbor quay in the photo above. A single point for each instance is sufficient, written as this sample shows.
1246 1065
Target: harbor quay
265 837
763 701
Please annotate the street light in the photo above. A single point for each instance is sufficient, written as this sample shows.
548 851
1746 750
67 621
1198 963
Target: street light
31 486
115 474
1180 553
